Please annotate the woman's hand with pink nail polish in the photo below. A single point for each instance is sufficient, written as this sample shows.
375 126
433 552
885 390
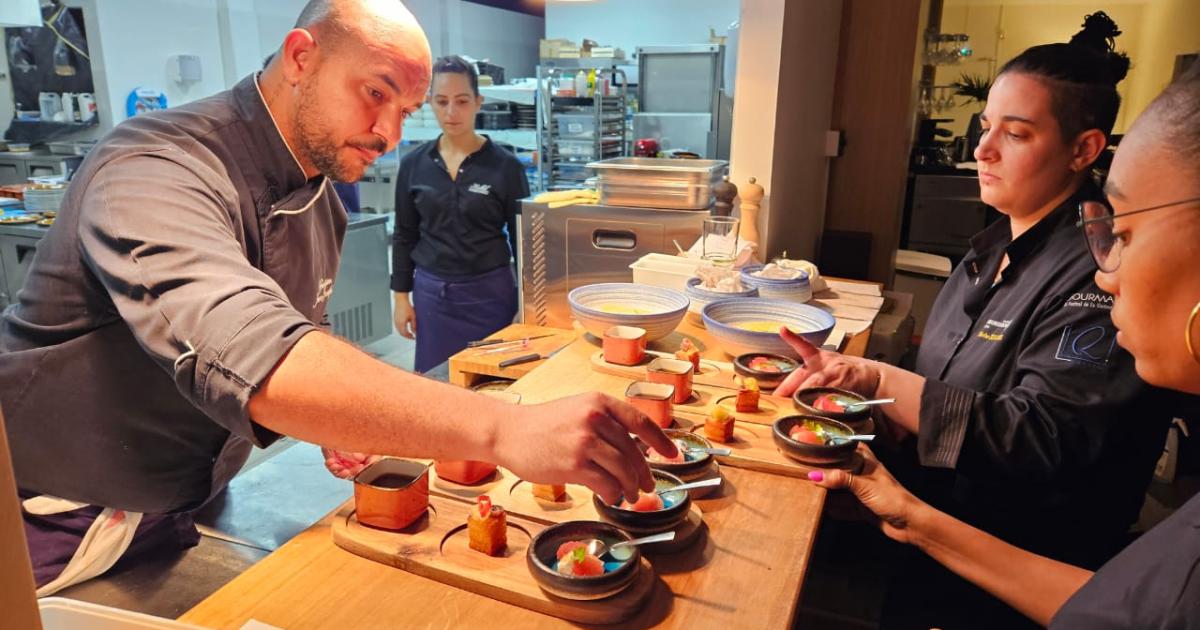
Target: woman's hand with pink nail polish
878 491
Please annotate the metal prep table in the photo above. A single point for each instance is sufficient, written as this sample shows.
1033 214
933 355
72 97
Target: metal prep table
16 167
360 308
564 248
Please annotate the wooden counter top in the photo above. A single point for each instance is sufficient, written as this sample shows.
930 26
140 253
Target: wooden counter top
746 570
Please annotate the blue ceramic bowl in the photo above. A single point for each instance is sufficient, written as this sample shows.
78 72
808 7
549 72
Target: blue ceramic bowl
721 318
655 309
794 290
701 297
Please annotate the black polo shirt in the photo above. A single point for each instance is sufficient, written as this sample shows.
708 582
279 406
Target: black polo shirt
1049 435
454 228
1154 583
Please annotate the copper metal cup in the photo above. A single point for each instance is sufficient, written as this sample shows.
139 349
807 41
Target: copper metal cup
391 493
624 345
654 400
674 372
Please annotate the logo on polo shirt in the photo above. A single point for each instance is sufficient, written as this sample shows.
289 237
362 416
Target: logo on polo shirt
1092 345
480 189
994 330
1086 299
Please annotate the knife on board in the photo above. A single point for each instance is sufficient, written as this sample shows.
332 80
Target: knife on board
526 358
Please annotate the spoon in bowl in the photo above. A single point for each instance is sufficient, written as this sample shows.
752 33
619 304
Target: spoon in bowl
695 484
721 452
855 406
624 550
840 439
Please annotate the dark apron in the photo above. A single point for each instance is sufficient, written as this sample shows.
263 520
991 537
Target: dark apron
452 311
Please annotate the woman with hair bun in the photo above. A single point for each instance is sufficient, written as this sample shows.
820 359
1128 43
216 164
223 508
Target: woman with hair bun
1021 398
1145 239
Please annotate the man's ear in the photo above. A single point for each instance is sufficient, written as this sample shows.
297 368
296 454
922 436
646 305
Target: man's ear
298 56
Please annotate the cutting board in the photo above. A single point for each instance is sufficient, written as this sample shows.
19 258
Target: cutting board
436 548
468 366
754 449
516 495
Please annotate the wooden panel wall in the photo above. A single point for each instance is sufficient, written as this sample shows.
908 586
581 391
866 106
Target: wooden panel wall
874 107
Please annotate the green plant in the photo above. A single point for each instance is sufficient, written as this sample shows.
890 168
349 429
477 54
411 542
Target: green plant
973 87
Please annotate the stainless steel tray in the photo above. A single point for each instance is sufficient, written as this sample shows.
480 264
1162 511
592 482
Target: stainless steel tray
658 182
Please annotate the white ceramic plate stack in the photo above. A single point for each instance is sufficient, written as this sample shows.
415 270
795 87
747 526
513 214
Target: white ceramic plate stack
795 290
701 297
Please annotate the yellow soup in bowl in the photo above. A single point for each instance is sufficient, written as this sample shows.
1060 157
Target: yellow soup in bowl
764 326
623 309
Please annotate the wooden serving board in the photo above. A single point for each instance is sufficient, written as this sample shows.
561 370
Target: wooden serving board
712 373
754 449
713 386
436 547
516 496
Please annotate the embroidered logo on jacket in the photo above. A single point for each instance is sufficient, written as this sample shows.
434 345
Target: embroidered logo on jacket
993 330
1092 345
1084 299
324 290
480 189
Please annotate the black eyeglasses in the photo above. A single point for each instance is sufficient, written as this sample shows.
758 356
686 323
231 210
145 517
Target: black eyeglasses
1096 219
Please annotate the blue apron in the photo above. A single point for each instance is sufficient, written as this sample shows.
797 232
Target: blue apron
452 311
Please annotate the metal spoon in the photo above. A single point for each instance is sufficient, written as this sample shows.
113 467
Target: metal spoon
836 439
623 550
865 403
695 484
711 451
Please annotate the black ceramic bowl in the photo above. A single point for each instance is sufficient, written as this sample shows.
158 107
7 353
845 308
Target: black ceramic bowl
816 454
694 462
661 520
542 561
766 380
803 401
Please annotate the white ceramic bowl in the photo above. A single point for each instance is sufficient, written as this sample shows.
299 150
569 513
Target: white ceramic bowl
795 290
658 310
701 297
813 323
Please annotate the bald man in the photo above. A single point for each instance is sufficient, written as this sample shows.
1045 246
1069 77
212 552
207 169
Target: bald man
174 316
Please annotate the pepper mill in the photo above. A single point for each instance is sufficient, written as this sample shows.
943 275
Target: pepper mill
751 200
725 192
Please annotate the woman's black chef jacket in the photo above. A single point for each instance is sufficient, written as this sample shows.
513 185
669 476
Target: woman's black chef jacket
1050 435
453 228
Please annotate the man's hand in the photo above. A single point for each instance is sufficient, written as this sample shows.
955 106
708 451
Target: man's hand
346 465
583 439
823 368
405 317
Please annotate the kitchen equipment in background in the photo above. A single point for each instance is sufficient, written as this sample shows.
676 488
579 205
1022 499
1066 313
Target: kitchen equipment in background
682 103
664 270
580 119
49 104
720 236
752 196
87 106
68 107
923 275
945 212
44 197
658 182
725 192
561 249
645 147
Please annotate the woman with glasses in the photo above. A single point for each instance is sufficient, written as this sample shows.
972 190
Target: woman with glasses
1146 244
1021 398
